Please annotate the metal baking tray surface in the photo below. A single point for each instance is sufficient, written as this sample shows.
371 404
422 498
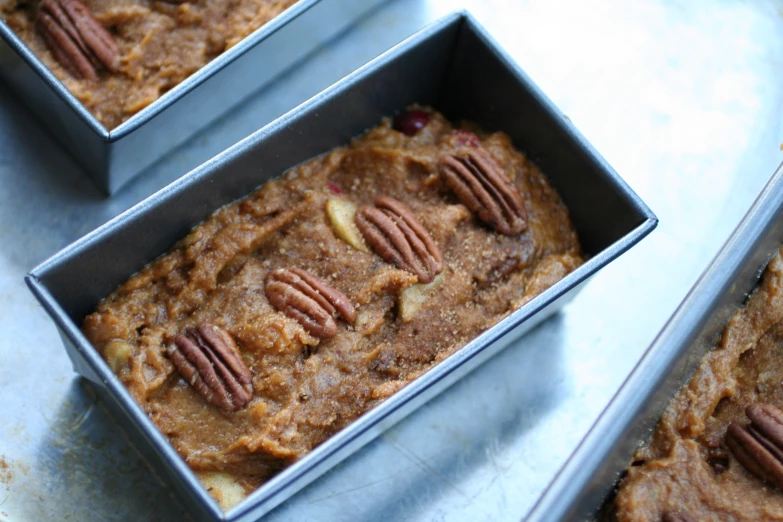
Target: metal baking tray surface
114 157
453 66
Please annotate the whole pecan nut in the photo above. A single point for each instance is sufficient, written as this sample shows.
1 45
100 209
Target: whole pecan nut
210 361
485 188
759 445
308 299
77 40
394 233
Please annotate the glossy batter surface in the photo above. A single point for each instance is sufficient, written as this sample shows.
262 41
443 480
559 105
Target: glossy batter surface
307 389
686 466
160 45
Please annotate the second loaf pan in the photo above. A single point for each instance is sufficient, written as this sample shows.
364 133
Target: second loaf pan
584 484
113 157
453 66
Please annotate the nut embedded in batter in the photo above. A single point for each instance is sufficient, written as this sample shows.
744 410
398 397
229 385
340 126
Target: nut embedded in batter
209 360
484 187
395 234
77 40
759 446
308 299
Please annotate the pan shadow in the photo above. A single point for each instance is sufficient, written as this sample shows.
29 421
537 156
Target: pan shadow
90 466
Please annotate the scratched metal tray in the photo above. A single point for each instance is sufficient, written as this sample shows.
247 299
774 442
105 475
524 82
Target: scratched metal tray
454 66
113 157
587 481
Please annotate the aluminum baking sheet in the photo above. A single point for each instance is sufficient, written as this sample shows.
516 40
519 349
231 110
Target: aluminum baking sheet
113 157
586 481
681 98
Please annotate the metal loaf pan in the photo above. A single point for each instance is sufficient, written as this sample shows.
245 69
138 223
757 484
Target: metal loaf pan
586 482
453 66
113 157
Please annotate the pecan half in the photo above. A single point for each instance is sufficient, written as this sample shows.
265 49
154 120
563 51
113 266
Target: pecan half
485 188
308 299
759 446
209 360
77 40
675 516
394 233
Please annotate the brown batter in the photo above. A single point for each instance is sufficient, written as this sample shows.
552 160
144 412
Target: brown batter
686 467
307 388
160 45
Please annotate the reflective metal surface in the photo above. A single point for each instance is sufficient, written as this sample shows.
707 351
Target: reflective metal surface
682 98
586 481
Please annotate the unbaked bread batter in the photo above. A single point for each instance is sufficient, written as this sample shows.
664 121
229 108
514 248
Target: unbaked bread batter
307 385
160 43
687 467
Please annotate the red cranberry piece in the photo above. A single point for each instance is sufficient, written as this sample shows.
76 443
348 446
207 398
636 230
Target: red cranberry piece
334 189
466 137
411 122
